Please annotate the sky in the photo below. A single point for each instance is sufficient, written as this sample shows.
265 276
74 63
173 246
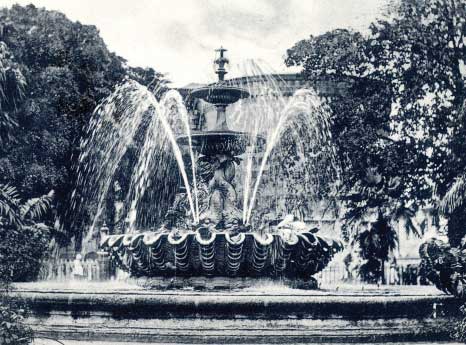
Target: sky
178 37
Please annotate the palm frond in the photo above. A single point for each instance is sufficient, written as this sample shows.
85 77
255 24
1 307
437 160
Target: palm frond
9 205
38 227
35 208
408 216
455 196
411 228
392 240
7 125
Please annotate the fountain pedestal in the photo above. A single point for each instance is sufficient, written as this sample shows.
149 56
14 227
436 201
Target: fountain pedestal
222 194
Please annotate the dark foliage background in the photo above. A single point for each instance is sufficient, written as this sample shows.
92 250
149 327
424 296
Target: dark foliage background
53 73
399 129
67 70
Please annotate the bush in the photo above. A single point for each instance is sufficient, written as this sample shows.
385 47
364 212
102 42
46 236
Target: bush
445 267
22 251
23 238
12 329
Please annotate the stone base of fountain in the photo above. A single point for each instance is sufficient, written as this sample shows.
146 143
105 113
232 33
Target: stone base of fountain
220 283
261 316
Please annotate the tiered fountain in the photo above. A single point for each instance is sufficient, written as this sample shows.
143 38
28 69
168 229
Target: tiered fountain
220 245
212 244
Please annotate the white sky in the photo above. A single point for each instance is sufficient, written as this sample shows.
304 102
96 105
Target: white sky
177 37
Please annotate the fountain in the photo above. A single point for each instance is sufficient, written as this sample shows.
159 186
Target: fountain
217 235
219 243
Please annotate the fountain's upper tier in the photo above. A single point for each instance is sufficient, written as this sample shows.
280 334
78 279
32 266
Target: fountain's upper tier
220 140
220 94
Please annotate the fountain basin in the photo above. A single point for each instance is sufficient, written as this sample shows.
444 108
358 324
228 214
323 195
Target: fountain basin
225 142
220 94
220 254
239 317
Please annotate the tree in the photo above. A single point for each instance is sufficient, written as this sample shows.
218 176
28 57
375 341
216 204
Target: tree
452 199
414 59
23 244
12 86
383 172
374 213
375 243
362 126
420 54
68 70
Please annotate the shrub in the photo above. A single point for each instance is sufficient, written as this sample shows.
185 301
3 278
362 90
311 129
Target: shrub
13 331
445 267
22 251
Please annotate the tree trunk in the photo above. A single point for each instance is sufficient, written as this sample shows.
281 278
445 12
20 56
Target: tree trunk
382 268
457 226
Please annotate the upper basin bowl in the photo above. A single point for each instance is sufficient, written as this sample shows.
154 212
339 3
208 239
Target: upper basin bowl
220 94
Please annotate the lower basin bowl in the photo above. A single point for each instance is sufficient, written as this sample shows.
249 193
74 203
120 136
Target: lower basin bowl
221 142
219 254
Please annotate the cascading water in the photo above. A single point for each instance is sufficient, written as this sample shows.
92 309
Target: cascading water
150 162
300 120
131 119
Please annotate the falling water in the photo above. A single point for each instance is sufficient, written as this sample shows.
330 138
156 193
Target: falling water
159 137
187 127
111 131
116 127
176 149
302 102
271 114
132 120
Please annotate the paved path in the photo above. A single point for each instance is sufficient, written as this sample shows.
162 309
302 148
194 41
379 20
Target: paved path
75 342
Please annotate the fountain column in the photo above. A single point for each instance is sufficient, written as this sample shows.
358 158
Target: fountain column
221 123
219 148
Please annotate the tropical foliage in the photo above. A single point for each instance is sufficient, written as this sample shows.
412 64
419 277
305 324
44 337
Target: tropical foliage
23 238
23 244
401 114
424 48
60 71
12 329
375 242
445 266
12 86
373 215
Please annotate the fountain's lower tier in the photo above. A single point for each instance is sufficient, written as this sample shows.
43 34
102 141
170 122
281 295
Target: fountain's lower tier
220 254
220 142
110 313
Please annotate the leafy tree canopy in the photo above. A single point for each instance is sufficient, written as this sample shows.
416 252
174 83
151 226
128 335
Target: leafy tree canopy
61 70
401 115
